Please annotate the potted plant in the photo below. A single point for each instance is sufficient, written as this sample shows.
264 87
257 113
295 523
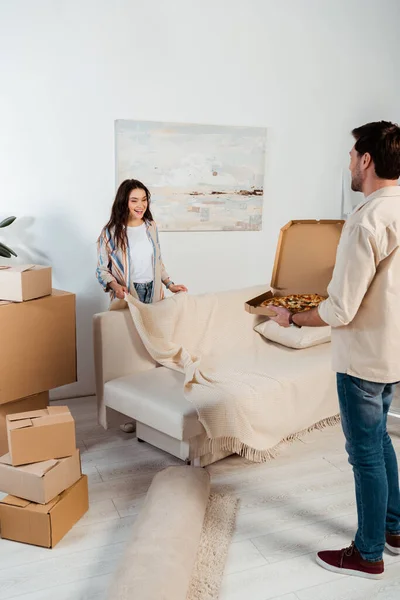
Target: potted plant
5 251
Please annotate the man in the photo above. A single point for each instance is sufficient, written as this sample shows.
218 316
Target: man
363 309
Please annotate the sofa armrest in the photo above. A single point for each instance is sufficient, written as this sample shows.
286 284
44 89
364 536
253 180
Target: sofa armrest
118 351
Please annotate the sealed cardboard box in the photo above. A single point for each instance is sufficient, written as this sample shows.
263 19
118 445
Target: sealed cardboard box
39 482
38 349
43 524
40 435
304 261
24 282
36 402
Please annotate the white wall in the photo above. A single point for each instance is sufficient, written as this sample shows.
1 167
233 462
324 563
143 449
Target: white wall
309 70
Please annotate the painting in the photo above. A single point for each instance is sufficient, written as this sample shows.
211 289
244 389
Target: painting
201 177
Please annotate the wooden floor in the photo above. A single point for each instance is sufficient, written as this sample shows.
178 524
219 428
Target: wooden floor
290 507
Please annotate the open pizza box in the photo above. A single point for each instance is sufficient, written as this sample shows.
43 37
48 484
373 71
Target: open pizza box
304 262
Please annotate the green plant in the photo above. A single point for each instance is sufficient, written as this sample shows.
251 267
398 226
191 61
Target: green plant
5 251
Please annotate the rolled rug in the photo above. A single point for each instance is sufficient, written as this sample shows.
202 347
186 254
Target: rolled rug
159 558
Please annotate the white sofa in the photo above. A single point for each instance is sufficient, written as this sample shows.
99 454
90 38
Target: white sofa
130 382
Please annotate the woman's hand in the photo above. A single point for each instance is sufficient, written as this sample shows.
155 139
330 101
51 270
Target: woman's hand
175 289
120 290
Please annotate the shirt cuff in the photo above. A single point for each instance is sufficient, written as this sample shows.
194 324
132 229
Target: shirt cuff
327 313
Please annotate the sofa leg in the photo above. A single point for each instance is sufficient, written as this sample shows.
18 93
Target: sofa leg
140 441
188 462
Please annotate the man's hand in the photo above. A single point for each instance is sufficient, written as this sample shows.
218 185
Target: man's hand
281 316
308 318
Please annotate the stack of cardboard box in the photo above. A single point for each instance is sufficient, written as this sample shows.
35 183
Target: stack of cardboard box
42 474
37 343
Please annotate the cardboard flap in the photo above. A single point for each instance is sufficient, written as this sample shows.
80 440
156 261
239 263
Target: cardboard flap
305 257
20 268
39 469
14 501
32 414
45 508
20 424
58 410
5 459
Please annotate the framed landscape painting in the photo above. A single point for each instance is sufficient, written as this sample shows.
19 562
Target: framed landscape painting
201 177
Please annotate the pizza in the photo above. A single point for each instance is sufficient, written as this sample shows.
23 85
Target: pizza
295 302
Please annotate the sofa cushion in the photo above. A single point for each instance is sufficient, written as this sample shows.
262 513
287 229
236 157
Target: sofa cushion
294 337
155 398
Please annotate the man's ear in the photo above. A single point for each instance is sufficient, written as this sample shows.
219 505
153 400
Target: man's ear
366 160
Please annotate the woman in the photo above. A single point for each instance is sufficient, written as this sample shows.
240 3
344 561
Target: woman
129 254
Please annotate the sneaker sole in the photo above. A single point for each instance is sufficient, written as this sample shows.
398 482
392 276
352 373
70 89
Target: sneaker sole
392 549
353 572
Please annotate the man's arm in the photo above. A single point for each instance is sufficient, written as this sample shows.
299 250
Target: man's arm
355 268
310 318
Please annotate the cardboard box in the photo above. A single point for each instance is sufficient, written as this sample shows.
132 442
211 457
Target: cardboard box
42 481
24 282
40 435
38 349
43 524
304 261
36 402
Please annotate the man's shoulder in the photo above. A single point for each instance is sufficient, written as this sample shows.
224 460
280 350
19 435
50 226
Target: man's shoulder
378 214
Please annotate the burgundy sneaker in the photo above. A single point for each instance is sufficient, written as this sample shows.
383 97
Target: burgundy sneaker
349 562
393 543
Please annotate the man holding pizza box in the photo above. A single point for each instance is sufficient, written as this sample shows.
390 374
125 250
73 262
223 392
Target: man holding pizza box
363 309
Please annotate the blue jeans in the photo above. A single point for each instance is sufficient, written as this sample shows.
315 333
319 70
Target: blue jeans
364 406
144 291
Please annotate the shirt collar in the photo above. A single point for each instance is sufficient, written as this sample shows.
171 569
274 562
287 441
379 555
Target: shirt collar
391 190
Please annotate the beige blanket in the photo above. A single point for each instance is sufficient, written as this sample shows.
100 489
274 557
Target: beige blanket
249 394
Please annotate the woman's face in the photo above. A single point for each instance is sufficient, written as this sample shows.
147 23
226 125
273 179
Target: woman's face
137 204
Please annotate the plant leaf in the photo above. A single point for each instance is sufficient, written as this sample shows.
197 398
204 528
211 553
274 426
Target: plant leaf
8 221
4 253
5 248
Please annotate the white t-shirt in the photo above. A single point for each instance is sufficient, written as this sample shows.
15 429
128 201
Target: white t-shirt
141 254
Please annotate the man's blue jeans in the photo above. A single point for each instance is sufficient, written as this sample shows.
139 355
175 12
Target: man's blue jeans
364 406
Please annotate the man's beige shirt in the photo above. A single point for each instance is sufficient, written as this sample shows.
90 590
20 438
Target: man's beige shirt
363 306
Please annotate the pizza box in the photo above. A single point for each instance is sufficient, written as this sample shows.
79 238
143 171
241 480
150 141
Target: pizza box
304 261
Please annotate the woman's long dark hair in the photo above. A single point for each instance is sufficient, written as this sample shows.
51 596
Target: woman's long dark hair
120 211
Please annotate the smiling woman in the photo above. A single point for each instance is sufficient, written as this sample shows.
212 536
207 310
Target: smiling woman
129 253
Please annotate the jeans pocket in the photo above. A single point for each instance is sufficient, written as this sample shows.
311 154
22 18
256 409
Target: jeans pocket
371 388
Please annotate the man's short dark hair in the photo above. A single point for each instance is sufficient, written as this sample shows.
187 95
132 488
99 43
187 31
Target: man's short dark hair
381 140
